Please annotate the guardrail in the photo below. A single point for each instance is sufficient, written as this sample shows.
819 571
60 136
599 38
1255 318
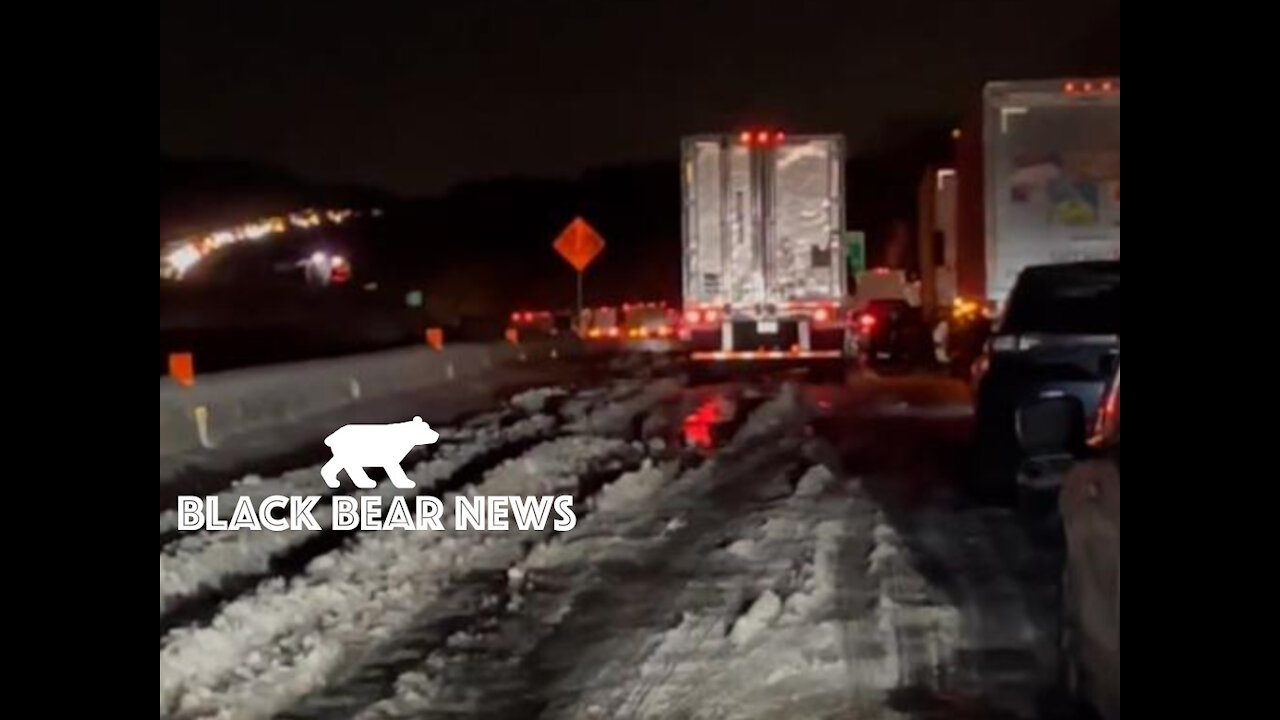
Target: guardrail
220 406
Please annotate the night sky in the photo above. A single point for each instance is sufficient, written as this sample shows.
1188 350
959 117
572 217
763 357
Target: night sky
416 96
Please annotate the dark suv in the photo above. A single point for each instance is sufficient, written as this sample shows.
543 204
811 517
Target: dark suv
1058 337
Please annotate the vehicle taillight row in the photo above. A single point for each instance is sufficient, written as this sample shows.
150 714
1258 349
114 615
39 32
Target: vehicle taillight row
1073 87
693 317
762 137
661 331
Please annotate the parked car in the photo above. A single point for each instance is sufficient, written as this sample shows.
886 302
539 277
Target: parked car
1057 337
892 332
1088 505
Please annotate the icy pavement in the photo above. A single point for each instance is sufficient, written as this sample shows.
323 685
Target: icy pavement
754 578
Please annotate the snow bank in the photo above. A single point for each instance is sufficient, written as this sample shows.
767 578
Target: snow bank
630 489
295 482
533 401
615 418
763 612
814 480
268 648
208 560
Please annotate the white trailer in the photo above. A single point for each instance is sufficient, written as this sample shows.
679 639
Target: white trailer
765 276
1050 179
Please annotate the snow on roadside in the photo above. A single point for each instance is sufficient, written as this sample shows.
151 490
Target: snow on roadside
630 518
615 416
630 489
294 482
206 560
819 636
587 400
535 399
268 648
814 481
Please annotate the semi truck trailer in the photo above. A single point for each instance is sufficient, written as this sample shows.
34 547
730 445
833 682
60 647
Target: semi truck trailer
765 277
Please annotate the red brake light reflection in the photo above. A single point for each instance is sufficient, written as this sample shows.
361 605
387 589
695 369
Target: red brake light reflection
698 424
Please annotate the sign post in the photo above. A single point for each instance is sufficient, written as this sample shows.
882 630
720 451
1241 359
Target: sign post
855 243
579 245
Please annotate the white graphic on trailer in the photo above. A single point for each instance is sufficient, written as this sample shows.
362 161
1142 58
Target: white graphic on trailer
356 447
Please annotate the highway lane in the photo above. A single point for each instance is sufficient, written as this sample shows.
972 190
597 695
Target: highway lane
759 547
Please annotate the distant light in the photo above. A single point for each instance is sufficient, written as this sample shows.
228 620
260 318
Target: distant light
762 137
745 138
1107 86
779 136
183 258
691 316
821 315
317 257
338 260
1069 87
955 133
1088 87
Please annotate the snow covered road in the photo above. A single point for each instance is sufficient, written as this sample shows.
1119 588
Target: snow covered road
747 550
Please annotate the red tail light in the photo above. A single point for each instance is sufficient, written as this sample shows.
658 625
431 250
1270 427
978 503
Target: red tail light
779 136
762 137
710 316
515 317
745 138
867 321
691 317
822 315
